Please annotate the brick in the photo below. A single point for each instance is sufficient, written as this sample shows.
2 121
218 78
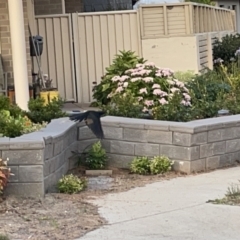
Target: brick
14 170
24 157
212 149
159 136
212 162
180 153
134 135
113 132
30 174
232 145
120 161
146 149
122 147
58 147
187 139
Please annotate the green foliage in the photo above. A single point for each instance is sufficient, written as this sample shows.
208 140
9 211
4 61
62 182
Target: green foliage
160 164
184 76
146 165
226 48
173 111
140 165
39 113
123 106
4 237
71 184
122 62
96 157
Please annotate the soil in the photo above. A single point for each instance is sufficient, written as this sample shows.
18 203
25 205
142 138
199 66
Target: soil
62 216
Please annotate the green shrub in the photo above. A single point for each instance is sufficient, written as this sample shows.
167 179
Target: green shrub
39 113
226 48
140 165
71 184
4 237
207 2
122 62
184 76
94 157
160 164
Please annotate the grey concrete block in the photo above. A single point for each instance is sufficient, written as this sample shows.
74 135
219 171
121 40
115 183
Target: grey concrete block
47 168
48 151
181 153
85 133
227 159
134 135
24 157
212 162
164 137
187 139
58 147
211 149
181 166
83 145
216 135
119 161
34 190
106 144
113 132
233 145
120 147
18 143
4 143
146 149
198 165
30 174
68 152
14 170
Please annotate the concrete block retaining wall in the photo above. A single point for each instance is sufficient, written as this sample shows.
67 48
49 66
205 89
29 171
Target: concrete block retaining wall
39 159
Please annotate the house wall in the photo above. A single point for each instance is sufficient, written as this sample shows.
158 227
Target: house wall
72 6
47 7
5 40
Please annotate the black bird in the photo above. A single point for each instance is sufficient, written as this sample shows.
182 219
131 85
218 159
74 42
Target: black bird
92 120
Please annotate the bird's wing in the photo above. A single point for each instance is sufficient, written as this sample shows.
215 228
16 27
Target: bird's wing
78 117
94 123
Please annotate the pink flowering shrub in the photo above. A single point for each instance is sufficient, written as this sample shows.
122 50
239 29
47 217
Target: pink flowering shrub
150 85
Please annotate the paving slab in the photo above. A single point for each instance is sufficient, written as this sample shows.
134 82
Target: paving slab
173 209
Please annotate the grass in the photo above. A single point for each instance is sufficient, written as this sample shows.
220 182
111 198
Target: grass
232 196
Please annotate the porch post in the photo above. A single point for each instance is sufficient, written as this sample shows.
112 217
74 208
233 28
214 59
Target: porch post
19 55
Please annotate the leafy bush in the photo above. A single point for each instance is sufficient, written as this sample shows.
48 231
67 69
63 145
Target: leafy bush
148 87
140 165
184 76
5 173
4 237
96 157
208 2
39 113
225 49
71 184
160 164
122 62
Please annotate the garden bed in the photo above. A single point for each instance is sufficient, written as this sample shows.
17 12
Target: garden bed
38 160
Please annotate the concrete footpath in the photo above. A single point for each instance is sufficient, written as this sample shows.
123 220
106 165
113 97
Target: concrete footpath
172 210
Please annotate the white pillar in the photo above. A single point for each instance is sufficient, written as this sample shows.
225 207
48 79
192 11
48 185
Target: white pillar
19 55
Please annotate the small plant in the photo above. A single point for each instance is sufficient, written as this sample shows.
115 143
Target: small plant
71 184
4 237
5 173
96 157
160 164
140 165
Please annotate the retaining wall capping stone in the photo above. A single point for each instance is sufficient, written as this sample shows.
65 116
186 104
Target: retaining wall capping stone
39 159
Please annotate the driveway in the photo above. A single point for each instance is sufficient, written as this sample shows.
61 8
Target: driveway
174 209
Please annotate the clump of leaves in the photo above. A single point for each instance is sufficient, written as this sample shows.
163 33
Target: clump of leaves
140 165
71 184
39 112
226 48
5 173
160 164
4 237
122 62
96 157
